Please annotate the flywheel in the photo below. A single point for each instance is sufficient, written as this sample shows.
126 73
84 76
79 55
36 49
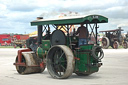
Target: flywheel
58 38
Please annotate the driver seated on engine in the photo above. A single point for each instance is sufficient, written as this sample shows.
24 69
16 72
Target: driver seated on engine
83 34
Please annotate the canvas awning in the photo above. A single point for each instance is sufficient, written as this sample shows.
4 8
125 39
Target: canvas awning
72 20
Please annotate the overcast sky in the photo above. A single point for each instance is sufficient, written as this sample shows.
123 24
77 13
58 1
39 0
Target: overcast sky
16 15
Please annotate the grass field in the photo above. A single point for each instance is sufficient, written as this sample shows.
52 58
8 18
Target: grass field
6 47
112 48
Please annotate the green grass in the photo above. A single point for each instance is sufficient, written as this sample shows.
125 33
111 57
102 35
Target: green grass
6 47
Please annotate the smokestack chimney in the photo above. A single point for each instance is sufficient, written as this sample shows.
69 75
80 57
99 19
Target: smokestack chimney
38 18
39 32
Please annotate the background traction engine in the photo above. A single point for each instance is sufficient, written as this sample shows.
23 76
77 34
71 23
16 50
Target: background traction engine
114 39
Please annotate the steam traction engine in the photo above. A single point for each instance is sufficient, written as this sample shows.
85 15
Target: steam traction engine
114 39
59 50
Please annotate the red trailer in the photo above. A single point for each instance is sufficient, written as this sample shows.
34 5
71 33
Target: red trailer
15 40
5 39
21 37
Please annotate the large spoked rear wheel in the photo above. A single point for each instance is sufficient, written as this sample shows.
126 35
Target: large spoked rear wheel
105 42
60 62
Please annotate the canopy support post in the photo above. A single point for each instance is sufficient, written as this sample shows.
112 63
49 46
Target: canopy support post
96 32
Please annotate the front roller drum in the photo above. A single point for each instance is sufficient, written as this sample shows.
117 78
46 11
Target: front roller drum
60 62
32 64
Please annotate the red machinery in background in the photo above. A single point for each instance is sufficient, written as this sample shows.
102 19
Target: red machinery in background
19 40
5 39
15 40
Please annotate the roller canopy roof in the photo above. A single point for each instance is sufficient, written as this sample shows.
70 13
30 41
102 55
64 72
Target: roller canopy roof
72 20
112 30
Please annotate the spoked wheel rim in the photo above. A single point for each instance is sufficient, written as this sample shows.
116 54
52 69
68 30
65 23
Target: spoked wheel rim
21 69
115 45
125 45
105 42
60 62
